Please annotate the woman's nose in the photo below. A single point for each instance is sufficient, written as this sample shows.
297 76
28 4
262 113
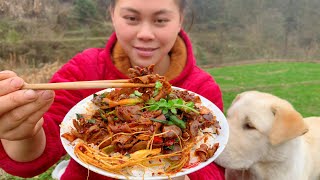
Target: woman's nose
145 32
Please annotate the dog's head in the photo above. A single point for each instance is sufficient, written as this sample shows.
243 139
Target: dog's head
258 122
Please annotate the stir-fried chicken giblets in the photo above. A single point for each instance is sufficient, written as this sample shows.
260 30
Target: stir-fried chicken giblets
144 114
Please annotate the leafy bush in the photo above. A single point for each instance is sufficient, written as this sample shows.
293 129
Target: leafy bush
85 10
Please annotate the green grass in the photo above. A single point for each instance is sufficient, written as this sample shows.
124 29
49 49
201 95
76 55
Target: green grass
297 82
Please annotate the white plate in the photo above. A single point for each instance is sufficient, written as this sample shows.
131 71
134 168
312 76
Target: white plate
83 106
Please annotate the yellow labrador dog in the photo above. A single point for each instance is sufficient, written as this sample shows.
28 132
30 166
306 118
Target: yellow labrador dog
269 140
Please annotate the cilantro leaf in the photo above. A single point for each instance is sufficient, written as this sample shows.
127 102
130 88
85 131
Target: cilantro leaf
79 116
92 121
171 105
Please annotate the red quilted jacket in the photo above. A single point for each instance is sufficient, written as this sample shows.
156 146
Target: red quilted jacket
96 64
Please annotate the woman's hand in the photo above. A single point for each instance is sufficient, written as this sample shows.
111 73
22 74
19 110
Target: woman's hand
21 119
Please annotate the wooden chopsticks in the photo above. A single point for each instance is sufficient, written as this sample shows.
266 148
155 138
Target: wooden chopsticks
100 84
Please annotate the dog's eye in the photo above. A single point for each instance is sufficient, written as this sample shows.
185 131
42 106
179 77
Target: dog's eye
273 111
248 126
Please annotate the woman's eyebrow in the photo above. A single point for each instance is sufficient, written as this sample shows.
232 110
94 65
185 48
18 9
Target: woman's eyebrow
130 10
162 11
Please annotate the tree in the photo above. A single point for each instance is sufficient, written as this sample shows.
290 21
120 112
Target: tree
85 10
290 23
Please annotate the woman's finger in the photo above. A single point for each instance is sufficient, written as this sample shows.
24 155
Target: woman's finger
21 115
10 85
16 99
30 126
24 131
33 119
6 74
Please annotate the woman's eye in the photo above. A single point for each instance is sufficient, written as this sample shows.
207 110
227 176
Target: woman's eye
161 21
131 19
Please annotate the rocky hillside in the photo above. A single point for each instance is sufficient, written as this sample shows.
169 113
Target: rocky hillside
50 30
32 8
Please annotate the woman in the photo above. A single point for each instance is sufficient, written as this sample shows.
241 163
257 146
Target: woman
146 32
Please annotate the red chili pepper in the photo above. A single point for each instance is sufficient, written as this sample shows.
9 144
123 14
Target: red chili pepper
169 142
157 140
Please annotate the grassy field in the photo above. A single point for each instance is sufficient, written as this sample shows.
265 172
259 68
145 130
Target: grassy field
299 83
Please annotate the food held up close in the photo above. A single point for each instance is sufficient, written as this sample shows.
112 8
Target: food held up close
158 130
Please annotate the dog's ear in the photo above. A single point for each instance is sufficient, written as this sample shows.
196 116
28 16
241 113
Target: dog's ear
236 99
287 125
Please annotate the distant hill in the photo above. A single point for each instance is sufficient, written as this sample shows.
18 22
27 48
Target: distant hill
32 8
222 31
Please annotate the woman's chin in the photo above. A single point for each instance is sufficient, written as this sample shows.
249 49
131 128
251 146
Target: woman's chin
143 62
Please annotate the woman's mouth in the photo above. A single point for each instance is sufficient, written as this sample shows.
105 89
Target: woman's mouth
145 51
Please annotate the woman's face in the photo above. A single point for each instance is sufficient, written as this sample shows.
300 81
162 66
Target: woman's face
146 30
